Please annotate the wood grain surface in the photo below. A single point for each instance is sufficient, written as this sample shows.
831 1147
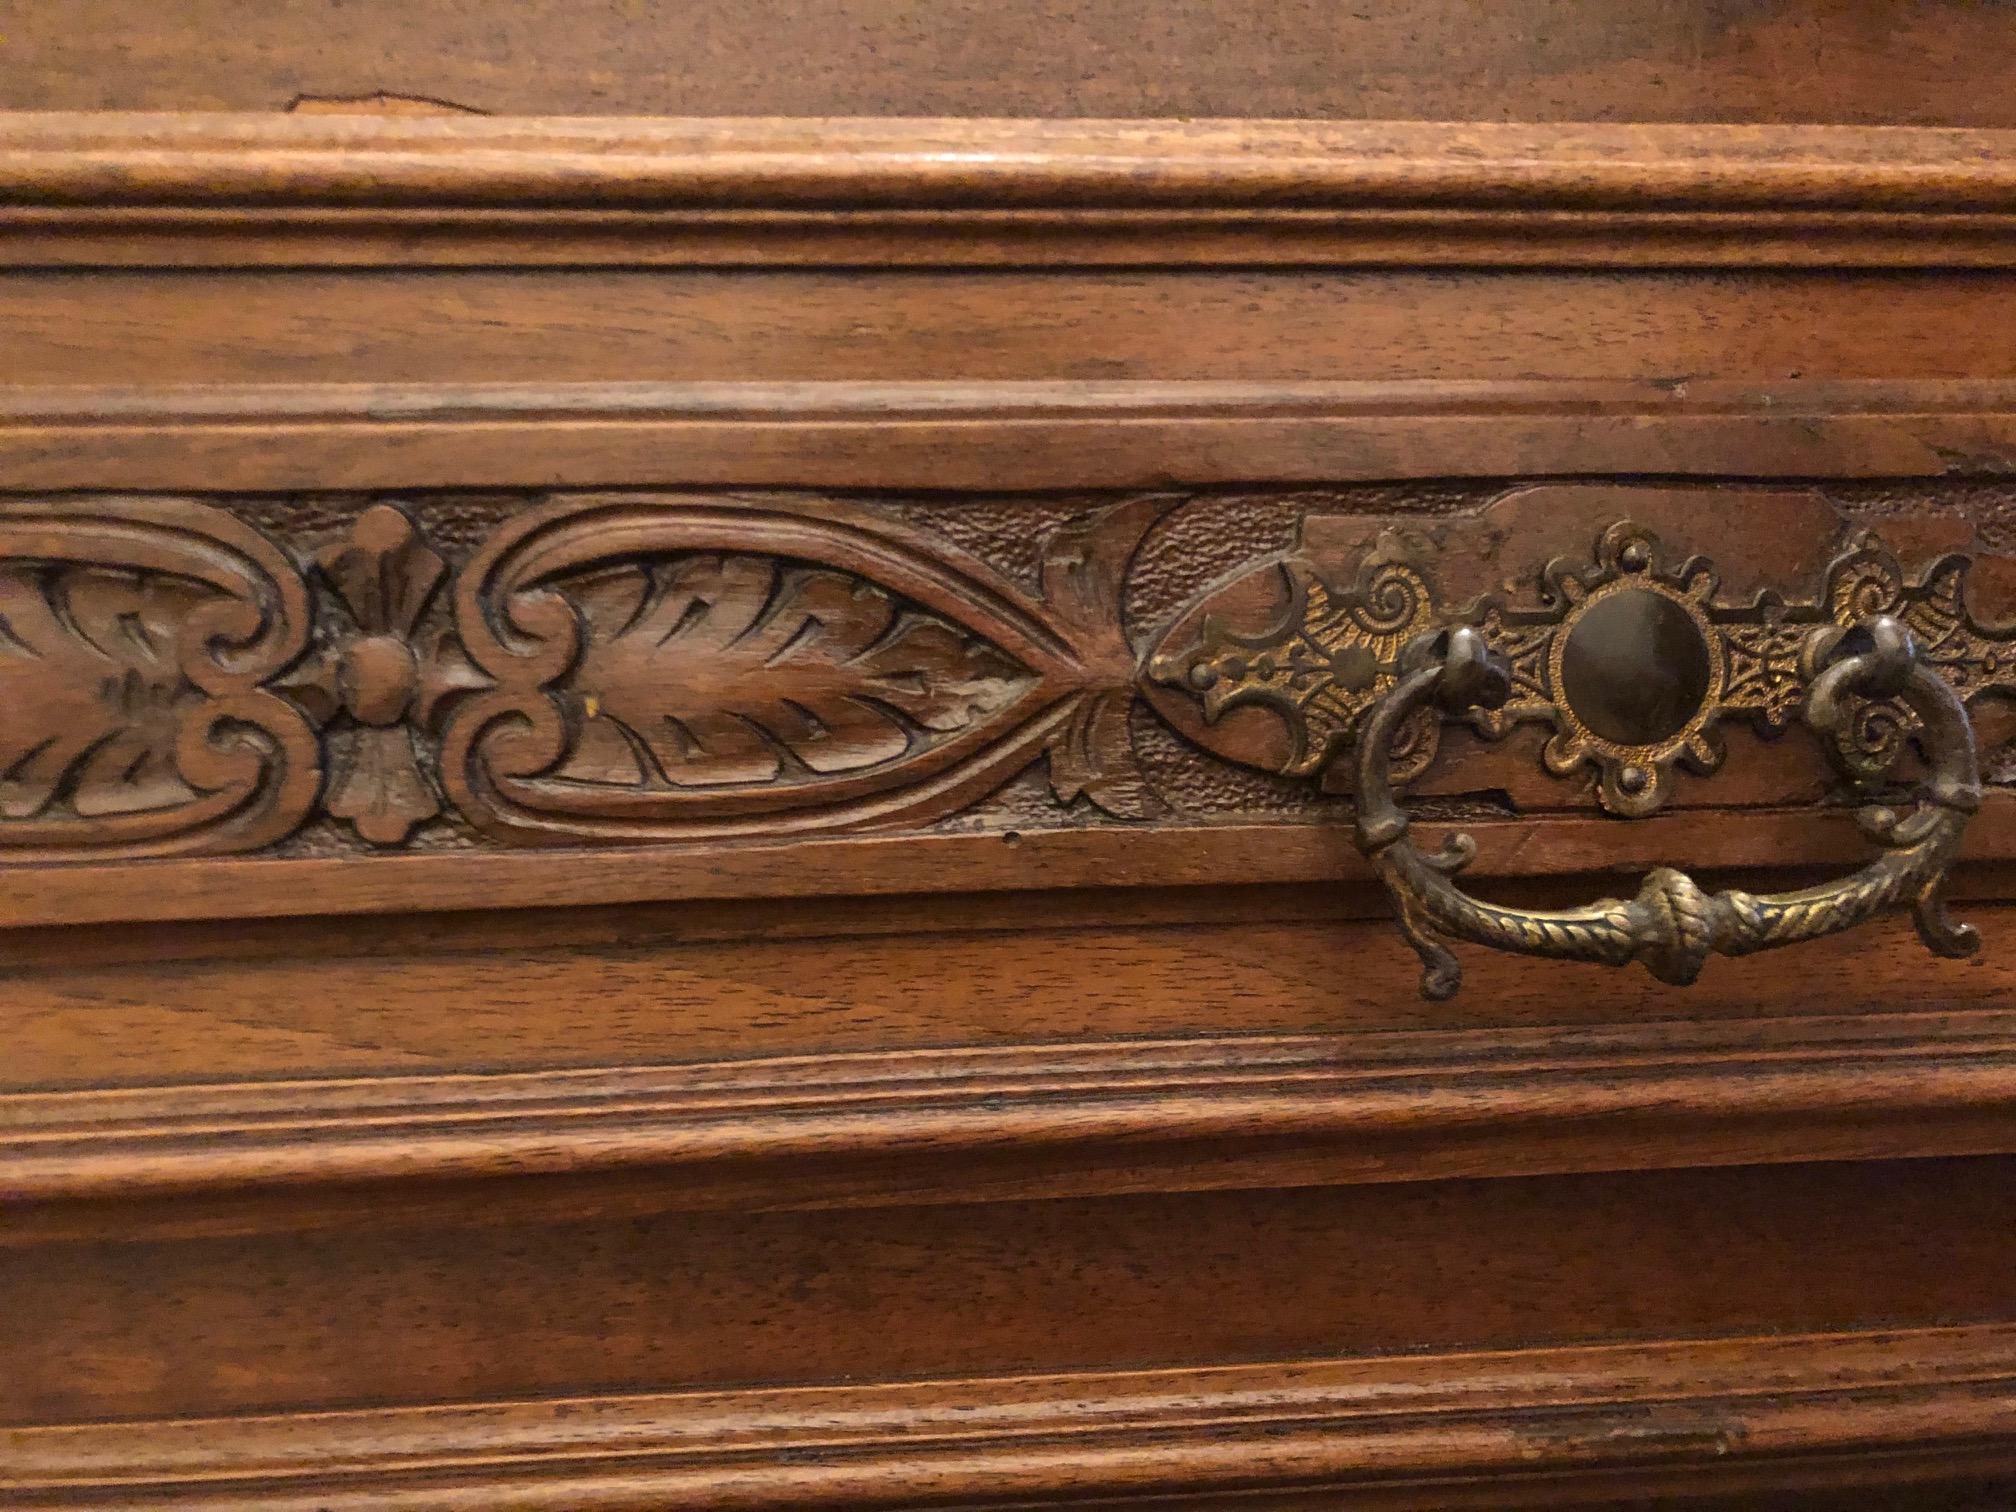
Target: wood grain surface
908 1126
1746 1418
615 888
545 326
993 434
1438 60
372 187
618 1298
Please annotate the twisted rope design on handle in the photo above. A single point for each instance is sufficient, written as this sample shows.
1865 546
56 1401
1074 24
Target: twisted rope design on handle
1672 926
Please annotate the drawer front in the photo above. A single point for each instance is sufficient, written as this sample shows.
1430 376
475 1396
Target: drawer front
689 821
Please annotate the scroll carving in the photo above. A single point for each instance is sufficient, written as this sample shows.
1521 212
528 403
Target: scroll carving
140 640
616 668
690 667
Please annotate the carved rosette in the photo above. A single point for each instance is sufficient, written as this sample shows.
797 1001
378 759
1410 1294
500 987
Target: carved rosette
377 676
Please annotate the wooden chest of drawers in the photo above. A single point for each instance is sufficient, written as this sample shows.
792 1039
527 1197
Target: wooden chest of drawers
682 802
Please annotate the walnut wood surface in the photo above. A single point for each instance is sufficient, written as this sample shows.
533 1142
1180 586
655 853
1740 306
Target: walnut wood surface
986 435
375 189
1437 60
615 1297
432 993
601 906
1528 1428
956 327
908 1126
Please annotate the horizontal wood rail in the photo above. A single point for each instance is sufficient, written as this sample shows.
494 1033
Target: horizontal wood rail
149 190
1217 854
1540 1427
1012 1121
991 435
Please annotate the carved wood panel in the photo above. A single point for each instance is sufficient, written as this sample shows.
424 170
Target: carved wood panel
182 676
683 667
140 644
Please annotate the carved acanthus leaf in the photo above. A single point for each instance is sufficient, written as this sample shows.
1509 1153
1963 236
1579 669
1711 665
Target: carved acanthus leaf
91 651
1085 563
1092 757
139 642
686 666
722 670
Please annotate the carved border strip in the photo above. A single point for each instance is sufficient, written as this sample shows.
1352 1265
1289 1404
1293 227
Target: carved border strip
637 668
617 668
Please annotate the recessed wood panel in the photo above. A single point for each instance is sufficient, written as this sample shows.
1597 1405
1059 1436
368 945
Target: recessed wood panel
524 991
609 326
638 1303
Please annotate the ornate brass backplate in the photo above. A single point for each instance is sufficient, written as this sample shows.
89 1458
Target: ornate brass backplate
1635 655
1336 652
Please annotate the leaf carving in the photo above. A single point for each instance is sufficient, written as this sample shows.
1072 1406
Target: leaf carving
92 652
1092 757
1084 563
681 667
722 670
138 641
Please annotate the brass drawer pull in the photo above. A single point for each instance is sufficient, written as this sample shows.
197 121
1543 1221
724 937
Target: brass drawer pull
1672 925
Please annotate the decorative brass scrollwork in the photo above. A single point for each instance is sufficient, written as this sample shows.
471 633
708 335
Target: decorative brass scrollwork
1639 660
1672 925
1335 654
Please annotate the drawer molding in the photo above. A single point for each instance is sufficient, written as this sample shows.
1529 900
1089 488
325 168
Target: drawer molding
235 887
1026 1120
991 435
133 189
1556 1426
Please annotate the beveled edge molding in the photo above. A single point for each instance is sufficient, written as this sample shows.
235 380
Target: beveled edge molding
991 435
272 887
995 1123
1537 1427
136 189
